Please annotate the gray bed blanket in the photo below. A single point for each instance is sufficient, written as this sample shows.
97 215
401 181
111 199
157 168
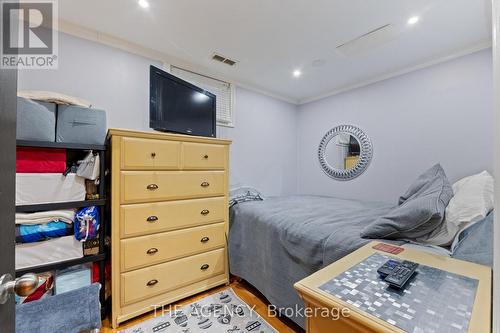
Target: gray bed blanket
281 240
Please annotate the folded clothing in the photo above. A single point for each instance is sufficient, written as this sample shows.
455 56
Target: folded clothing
48 252
53 97
243 194
67 216
38 188
42 160
40 232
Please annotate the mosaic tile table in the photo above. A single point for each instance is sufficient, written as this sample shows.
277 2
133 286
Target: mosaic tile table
432 301
446 295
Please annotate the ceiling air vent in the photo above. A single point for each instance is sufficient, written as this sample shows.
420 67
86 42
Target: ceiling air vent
368 41
220 58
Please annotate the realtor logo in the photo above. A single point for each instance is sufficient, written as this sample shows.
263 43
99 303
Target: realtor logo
29 34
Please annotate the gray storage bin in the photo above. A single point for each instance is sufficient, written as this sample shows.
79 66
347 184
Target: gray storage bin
76 124
35 120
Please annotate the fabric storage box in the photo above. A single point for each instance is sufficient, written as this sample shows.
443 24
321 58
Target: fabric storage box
35 120
48 252
73 278
37 188
40 160
76 124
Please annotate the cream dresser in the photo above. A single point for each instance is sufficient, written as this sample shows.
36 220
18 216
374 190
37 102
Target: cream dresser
169 218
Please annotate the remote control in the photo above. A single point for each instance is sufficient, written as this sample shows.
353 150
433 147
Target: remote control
401 274
388 267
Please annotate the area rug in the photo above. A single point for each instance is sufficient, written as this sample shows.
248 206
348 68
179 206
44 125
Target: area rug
223 312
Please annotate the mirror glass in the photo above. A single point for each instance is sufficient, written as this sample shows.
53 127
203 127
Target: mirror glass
342 152
345 152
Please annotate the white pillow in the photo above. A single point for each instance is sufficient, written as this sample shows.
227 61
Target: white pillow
472 201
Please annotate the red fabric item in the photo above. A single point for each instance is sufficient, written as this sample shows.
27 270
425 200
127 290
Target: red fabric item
40 160
95 272
43 289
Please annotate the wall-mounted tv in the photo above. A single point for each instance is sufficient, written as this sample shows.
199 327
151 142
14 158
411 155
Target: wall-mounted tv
180 107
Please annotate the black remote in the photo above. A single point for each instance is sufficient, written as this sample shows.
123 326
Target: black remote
401 274
388 267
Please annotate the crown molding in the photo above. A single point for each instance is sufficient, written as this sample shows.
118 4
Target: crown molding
421 65
166 59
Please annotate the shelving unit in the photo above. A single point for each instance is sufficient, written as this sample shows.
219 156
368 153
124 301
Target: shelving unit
60 205
99 258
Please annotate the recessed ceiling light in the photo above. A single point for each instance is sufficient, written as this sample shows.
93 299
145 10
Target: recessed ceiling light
143 3
412 20
297 73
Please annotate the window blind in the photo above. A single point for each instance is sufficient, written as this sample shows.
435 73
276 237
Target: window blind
221 89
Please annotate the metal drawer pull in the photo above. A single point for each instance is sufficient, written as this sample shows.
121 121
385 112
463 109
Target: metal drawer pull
152 219
153 154
204 267
205 184
152 187
205 157
152 250
205 239
152 282
205 212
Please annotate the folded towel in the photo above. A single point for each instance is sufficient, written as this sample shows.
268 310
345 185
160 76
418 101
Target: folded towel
67 216
71 312
53 97
31 233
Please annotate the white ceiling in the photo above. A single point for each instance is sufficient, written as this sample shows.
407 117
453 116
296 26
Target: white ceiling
271 38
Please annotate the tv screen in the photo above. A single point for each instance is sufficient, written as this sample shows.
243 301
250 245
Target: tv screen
179 106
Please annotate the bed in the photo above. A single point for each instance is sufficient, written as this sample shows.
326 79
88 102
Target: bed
281 240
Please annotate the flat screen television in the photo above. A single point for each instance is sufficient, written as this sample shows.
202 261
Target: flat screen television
180 107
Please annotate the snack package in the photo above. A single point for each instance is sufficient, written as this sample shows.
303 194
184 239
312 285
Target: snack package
86 223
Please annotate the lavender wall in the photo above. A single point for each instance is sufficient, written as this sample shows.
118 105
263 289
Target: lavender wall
442 114
264 150
439 114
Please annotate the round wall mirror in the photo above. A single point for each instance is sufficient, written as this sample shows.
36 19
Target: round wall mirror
345 152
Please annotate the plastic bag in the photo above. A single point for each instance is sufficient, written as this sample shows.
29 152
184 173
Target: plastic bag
89 167
86 223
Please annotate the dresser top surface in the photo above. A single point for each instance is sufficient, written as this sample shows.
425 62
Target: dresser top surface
165 136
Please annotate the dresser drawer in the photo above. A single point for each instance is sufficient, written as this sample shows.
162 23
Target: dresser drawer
149 250
201 156
143 219
146 282
141 186
150 154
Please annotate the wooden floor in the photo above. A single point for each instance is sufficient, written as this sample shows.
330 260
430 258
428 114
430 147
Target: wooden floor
246 292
